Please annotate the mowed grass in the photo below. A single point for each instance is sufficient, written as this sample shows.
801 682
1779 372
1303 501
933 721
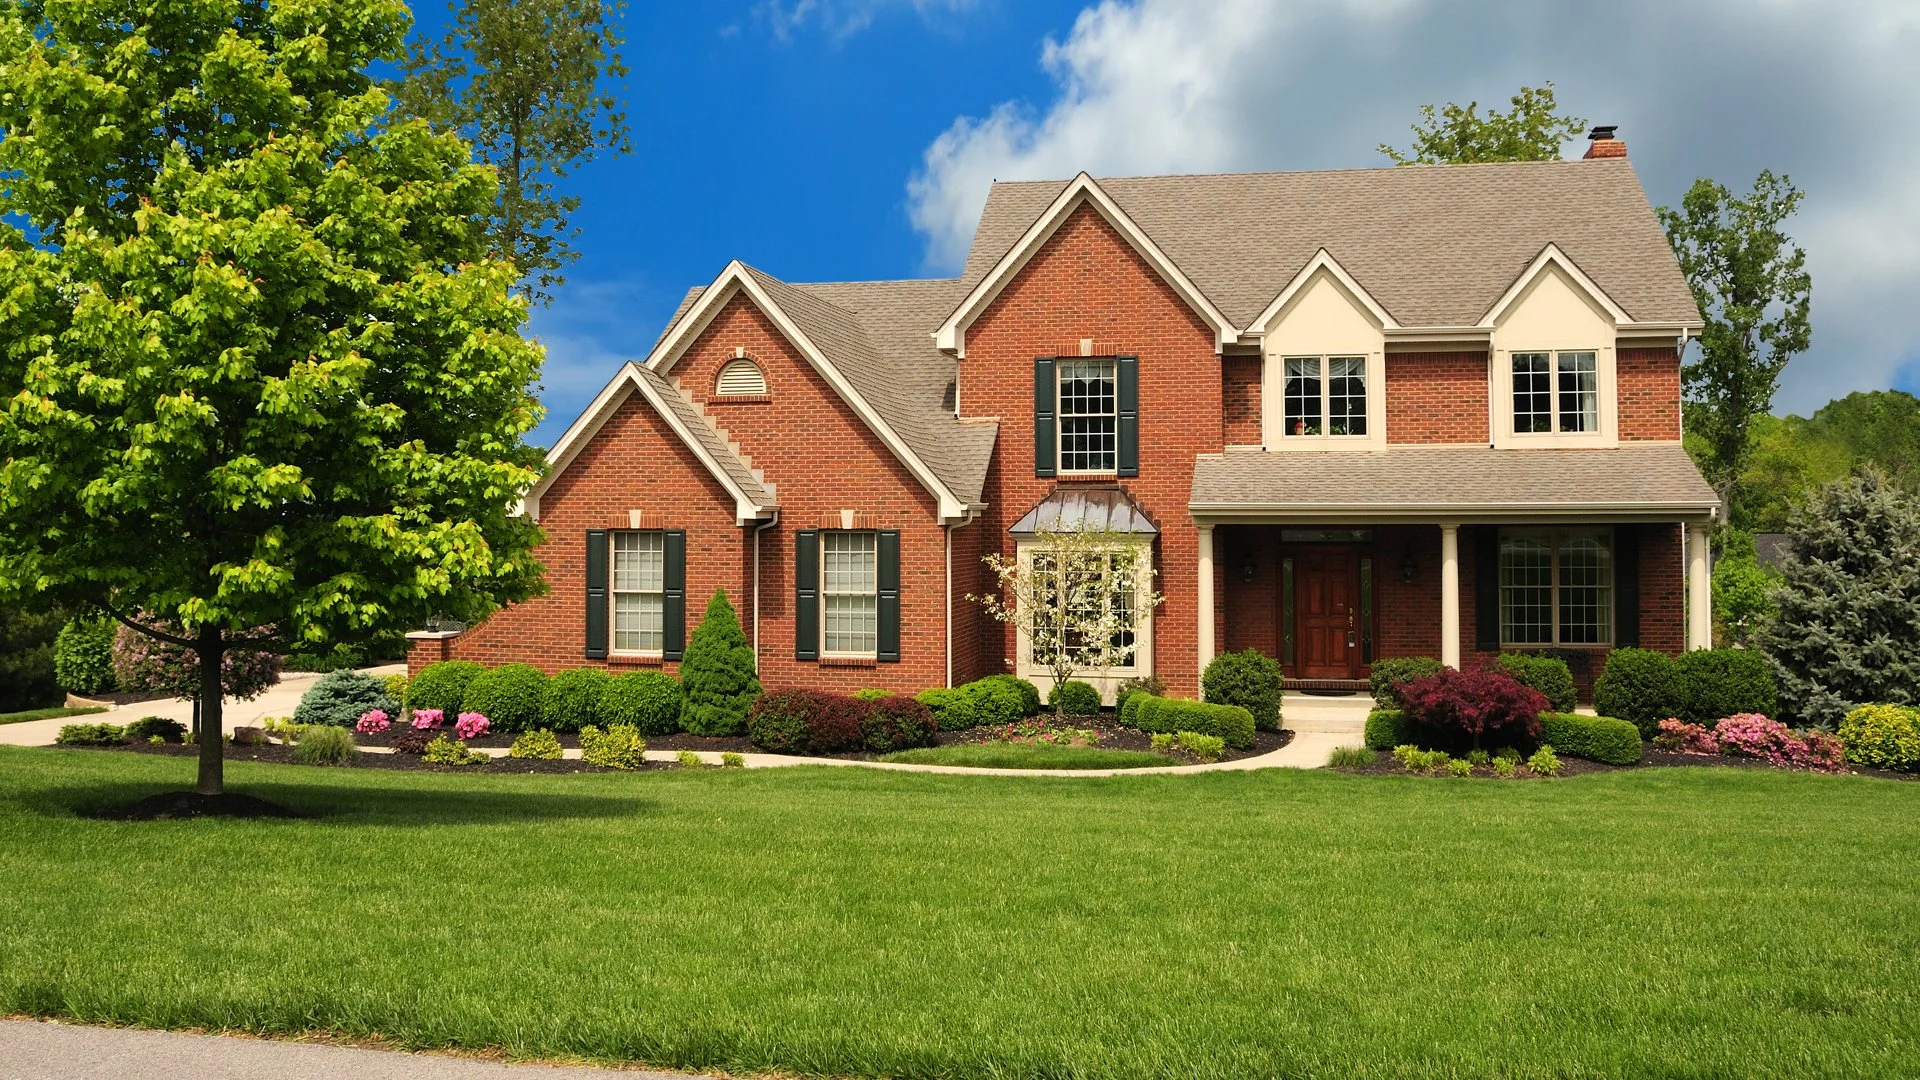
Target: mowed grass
48 713
1006 755
844 921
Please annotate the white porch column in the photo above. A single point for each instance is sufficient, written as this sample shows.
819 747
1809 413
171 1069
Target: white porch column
1204 597
1699 589
1450 594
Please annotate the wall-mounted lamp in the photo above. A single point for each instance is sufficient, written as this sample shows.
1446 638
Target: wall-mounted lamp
1408 568
1246 570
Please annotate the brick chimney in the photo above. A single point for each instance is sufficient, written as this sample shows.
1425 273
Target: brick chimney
1602 144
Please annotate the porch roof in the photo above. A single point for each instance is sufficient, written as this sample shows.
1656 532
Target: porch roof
1636 480
1105 509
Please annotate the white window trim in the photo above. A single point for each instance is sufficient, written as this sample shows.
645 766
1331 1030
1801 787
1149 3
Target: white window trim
1500 386
613 632
1554 535
1060 417
1107 684
1328 440
1273 403
820 591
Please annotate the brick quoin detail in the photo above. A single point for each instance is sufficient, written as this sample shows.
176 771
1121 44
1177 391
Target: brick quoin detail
1438 397
1649 382
1086 282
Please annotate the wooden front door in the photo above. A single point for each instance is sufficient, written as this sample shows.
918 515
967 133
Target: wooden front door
1327 612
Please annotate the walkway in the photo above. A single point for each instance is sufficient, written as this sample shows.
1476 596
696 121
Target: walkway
39 1050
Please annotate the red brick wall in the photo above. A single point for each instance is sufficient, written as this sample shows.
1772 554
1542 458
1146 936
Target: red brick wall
1437 397
1240 400
820 457
1086 282
1649 388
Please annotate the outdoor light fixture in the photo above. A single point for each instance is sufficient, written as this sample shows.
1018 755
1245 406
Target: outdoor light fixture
1408 568
1246 570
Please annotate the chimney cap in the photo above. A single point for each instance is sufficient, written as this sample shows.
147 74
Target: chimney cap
1602 132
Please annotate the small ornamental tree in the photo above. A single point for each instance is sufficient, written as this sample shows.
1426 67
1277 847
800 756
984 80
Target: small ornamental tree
261 378
717 673
1475 704
1077 595
148 665
1848 628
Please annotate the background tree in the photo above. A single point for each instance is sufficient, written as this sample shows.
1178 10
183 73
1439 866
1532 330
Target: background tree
261 382
523 81
1533 130
1753 288
1848 628
27 679
1075 596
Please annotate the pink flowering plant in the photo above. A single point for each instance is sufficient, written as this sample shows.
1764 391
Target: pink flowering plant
1680 737
424 719
471 725
1756 736
373 721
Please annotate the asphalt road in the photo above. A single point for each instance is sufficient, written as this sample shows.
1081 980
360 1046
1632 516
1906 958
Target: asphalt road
35 1050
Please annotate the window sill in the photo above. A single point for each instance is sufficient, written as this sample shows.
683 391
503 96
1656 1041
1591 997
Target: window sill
637 659
849 661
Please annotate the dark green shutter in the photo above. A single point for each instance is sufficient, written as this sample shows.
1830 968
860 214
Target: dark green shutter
1626 587
1486 588
1129 426
596 594
806 595
674 641
887 606
1045 455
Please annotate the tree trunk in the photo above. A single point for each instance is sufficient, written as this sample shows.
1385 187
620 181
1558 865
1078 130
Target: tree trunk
212 747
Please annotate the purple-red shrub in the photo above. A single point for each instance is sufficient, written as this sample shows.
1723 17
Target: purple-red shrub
835 723
807 721
1680 737
897 723
1474 704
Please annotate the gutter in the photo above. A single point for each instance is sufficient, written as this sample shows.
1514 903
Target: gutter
968 520
758 529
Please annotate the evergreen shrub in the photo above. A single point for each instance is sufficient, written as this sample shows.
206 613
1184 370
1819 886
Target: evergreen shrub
1249 679
83 656
571 700
717 675
1075 698
1639 686
442 686
510 696
652 701
340 698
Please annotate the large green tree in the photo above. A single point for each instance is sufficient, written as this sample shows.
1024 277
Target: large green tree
1532 130
262 385
1751 282
527 82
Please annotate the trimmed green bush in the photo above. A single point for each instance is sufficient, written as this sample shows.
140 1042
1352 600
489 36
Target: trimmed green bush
90 735
1713 684
1231 722
83 655
538 745
618 747
952 707
1547 674
1029 693
1388 728
1129 711
325 746
1596 738
443 686
717 677
1249 679
1883 737
652 701
338 698
1075 698
510 696
571 700
1638 686
145 728
1386 676
1146 684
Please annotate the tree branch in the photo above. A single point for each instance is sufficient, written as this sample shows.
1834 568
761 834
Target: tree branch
157 635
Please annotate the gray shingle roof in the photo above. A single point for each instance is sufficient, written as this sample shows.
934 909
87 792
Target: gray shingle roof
1443 478
1436 245
709 439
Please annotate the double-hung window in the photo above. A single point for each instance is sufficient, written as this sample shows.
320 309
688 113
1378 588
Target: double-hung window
1089 415
1556 587
1333 405
1555 392
849 593
639 592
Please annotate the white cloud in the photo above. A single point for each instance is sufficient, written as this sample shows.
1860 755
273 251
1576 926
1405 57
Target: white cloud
1721 88
843 18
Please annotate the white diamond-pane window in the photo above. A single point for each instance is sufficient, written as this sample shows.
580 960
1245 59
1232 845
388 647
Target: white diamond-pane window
741 378
848 590
1089 416
639 592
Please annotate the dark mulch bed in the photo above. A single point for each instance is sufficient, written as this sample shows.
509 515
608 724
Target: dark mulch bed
1650 758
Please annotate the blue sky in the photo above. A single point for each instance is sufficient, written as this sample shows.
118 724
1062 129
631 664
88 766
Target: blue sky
844 139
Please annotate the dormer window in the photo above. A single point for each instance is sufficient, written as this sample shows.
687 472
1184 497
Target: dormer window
1335 405
741 378
1555 392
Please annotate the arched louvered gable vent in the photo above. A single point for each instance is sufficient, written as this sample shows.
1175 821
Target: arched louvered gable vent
741 378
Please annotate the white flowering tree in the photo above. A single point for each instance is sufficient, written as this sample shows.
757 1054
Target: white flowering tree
1076 595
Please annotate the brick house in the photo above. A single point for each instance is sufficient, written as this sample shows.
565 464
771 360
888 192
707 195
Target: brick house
1345 415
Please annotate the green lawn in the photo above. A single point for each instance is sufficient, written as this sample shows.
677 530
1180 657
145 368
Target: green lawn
1006 755
47 714
1675 922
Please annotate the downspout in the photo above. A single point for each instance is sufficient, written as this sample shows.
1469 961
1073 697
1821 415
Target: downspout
964 522
757 530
